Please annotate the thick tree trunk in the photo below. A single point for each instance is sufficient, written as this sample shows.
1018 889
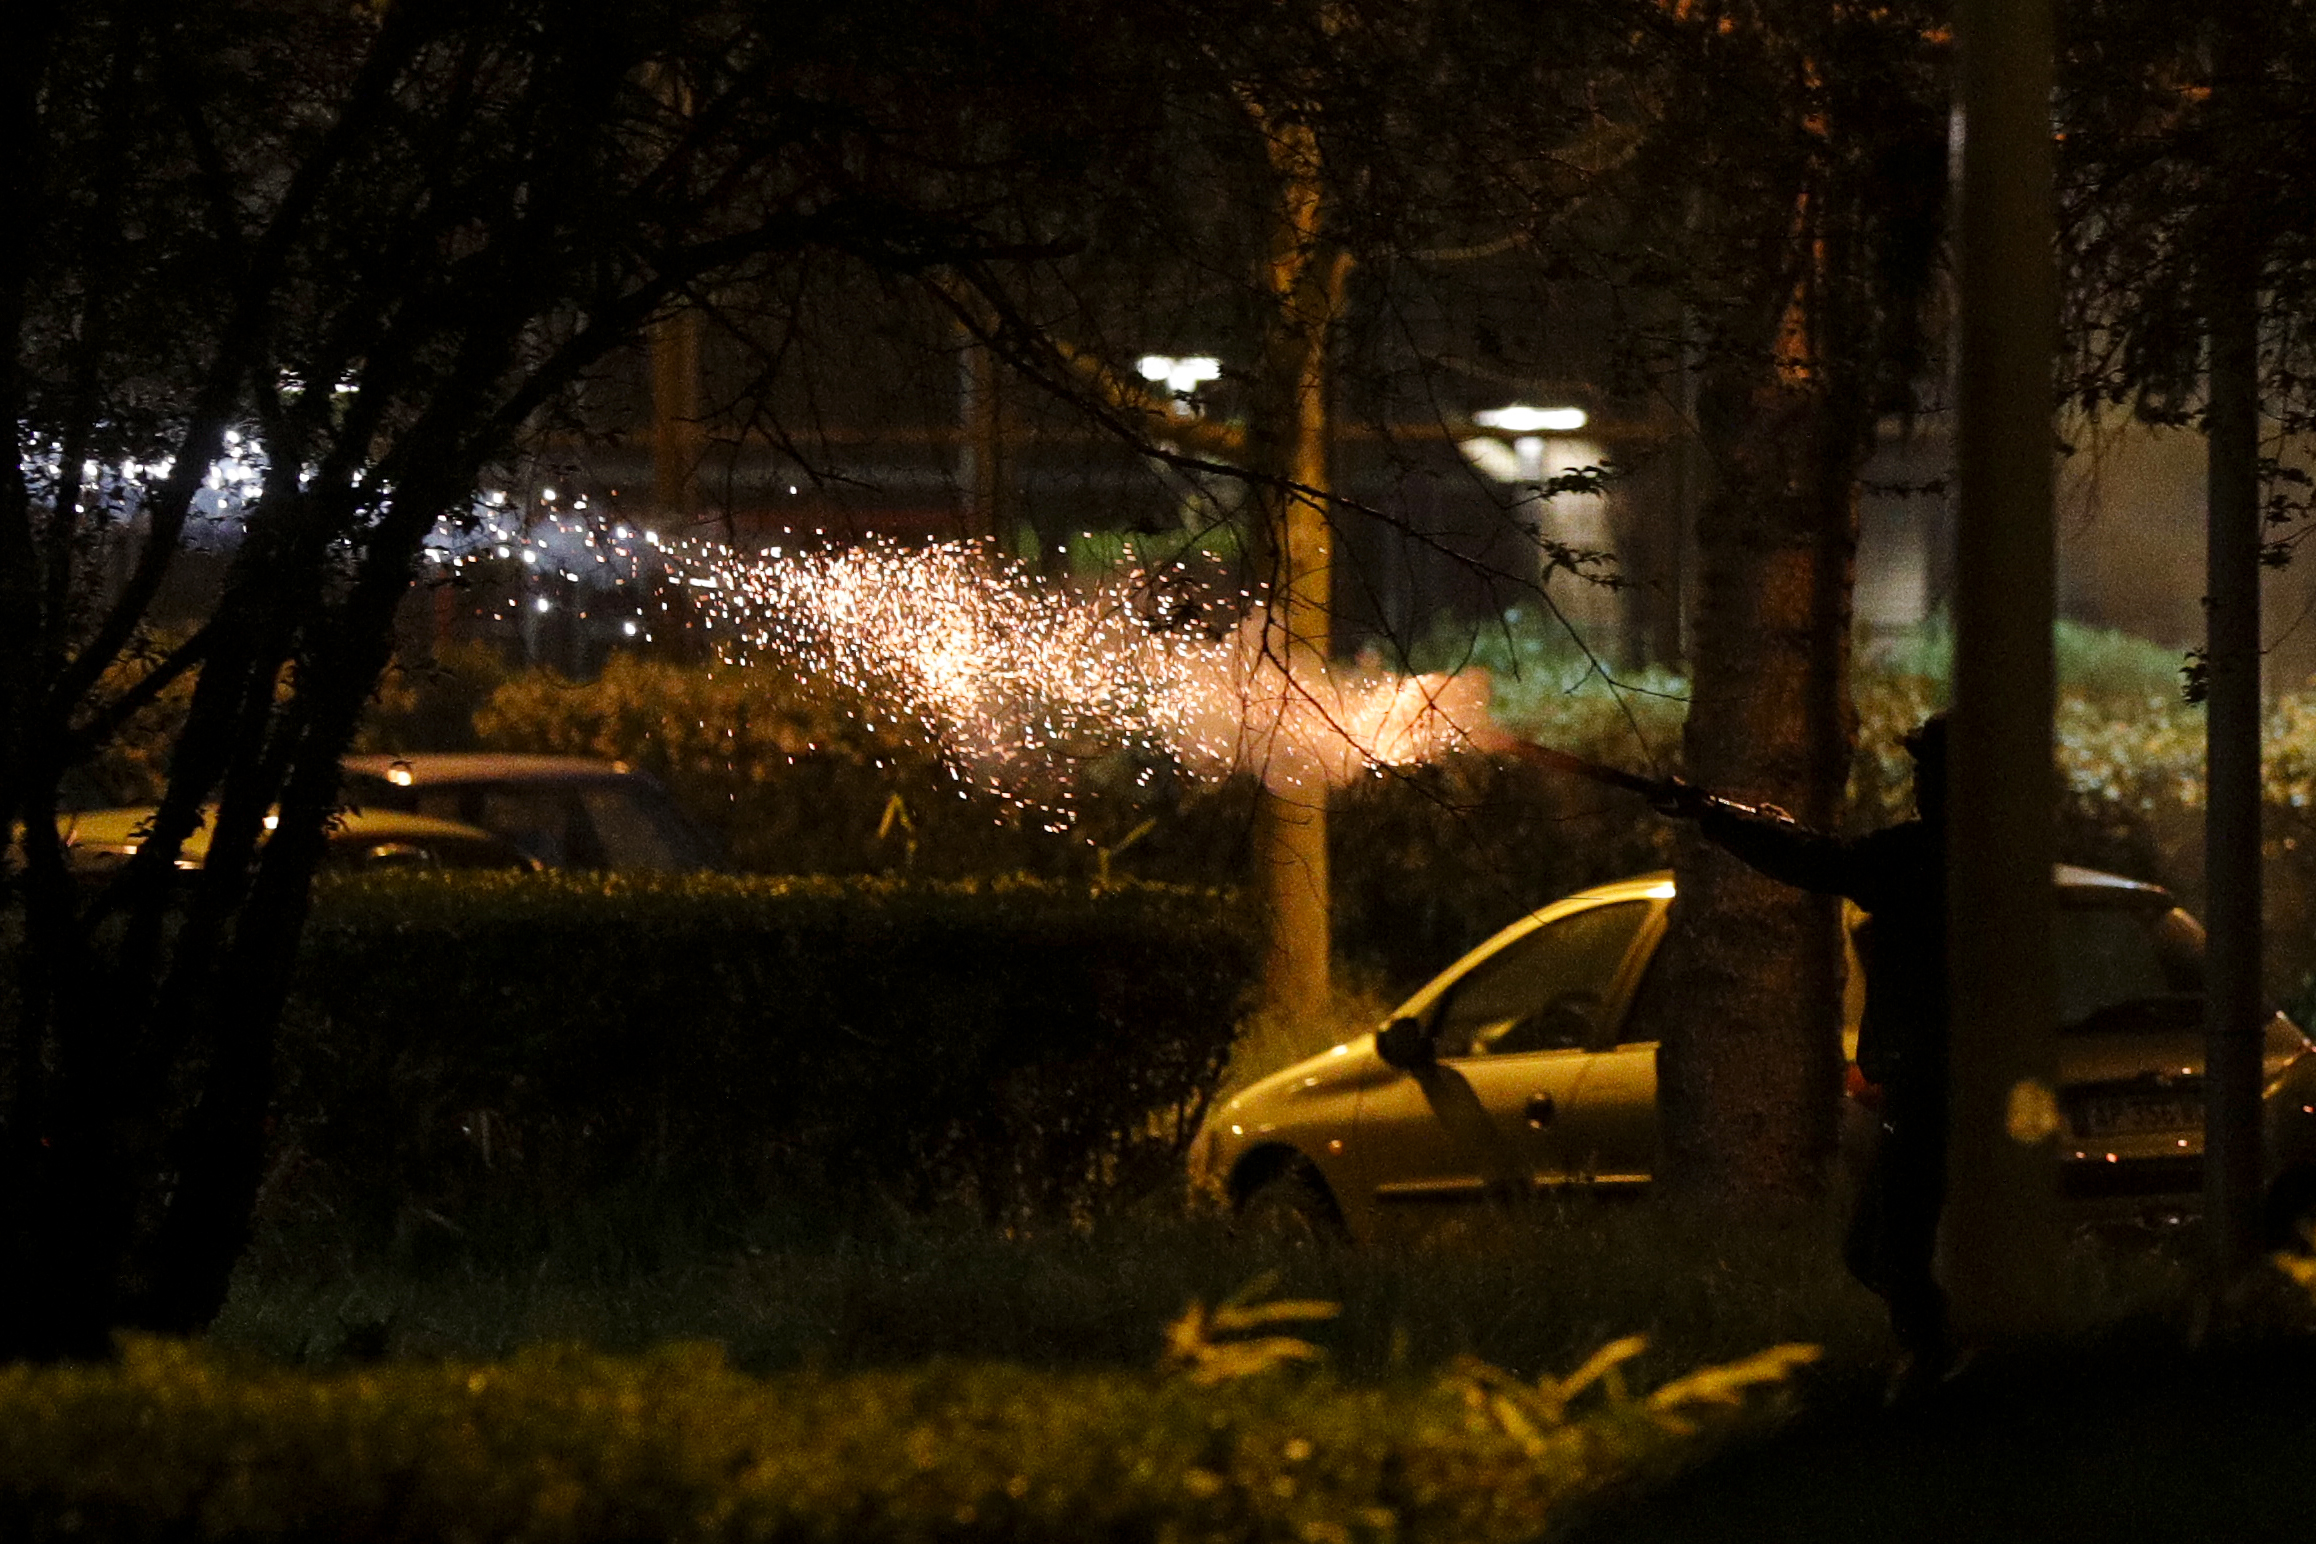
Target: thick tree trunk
1749 1004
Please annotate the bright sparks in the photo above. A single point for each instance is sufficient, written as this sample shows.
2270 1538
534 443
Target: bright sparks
1023 685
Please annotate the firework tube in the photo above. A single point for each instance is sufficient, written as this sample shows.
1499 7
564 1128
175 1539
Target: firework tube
1670 795
1654 789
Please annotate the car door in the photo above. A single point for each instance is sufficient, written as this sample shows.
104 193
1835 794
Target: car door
1610 1133
1512 1033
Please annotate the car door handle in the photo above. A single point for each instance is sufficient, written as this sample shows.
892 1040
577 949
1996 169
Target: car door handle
1540 1109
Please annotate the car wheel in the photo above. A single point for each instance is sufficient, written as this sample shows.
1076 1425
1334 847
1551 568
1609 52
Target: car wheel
1293 1206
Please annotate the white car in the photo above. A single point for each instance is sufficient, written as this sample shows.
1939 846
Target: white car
1512 1071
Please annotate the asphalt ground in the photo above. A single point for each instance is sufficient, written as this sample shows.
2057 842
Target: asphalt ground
2137 1439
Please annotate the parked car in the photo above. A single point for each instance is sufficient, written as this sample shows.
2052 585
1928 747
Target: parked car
98 841
564 811
1524 1075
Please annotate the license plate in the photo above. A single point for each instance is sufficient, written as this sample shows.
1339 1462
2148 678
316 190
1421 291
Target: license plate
2123 1115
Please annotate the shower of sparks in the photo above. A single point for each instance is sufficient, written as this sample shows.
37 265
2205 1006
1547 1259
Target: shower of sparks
1021 683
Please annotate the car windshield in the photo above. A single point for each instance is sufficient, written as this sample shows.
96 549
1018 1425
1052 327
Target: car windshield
2125 967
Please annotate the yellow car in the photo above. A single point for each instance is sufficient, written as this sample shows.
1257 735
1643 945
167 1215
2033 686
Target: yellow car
1512 1072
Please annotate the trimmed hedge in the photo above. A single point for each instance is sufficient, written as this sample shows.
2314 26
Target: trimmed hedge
456 1041
173 1442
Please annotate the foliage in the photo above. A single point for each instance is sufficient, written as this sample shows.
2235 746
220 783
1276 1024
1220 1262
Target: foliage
1544 686
428 702
804 777
819 1280
1214 1346
1429 860
288 280
2181 178
1426 860
2093 663
559 1444
464 1044
2128 746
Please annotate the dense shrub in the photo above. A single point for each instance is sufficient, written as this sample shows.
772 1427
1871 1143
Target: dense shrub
1427 860
800 778
459 1043
2130 755
176 1443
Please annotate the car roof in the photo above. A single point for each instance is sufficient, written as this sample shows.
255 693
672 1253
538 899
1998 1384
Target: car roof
2064 876
2068 876
487 767
2086 883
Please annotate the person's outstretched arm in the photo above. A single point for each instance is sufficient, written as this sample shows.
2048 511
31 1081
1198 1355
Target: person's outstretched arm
1772 843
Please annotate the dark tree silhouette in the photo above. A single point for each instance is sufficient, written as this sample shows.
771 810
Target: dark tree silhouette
380 241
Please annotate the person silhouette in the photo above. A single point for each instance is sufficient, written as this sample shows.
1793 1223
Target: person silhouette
1897 876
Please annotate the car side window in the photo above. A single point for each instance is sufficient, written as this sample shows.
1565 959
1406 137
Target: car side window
627 831
1544 991
543 820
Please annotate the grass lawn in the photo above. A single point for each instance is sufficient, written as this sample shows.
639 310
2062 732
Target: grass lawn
1526 1293
2120 1434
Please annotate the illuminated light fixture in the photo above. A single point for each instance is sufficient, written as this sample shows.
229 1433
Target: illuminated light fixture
544 604
273 822
399 776
1519 418
1182 376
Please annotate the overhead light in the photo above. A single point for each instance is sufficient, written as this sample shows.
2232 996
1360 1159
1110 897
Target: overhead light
1520 418
1184 375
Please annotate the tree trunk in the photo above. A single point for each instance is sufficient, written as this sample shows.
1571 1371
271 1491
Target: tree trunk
1749 1007
1305 280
